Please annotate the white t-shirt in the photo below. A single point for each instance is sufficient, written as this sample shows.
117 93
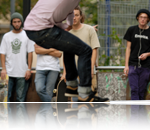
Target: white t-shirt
15 47
47 62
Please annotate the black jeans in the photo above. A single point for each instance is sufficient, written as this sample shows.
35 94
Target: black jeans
64 41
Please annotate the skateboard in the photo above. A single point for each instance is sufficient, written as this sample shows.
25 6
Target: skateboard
58 108
3 98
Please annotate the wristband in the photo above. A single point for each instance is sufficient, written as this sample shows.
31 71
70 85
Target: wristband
28 69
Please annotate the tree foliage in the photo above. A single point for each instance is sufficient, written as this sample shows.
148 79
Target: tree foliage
89 8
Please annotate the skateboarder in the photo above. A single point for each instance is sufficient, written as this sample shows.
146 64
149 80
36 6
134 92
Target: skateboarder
137 62
14 48
45 26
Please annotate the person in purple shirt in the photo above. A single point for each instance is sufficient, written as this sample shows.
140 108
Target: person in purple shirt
45 26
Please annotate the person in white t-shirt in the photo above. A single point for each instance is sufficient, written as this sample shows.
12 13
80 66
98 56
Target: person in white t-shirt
47 71
14 48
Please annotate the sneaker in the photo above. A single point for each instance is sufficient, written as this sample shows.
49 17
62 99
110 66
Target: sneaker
71 92
92 98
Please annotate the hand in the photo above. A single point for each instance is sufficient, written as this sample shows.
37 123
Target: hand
96 65
27 127
3 74
63 76
69 28
95 28
126 70
143 56
27 75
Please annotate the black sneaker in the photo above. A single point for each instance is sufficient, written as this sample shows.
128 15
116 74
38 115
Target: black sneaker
71 92
92 98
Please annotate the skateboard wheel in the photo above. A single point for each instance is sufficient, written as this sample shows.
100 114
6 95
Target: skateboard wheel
54 114
55 90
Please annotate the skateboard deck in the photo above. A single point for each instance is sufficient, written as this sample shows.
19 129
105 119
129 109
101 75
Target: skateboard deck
4 106
60 107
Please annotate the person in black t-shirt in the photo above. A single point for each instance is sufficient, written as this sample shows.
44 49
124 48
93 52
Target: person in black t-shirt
137 66
137 61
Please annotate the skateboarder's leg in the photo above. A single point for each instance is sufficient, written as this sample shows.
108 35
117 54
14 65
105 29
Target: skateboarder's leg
71 75
68 43
61 40
11 83
21 114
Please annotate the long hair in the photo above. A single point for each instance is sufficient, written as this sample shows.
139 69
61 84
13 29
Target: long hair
82 15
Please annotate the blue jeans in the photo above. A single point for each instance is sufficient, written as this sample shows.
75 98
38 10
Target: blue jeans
64 41
45 81
21 89
44 118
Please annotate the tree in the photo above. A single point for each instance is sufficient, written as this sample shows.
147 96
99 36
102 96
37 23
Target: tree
89 8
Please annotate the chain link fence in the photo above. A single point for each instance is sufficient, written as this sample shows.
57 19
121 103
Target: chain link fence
114 17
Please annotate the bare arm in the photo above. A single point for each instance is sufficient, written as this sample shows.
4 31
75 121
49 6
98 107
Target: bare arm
93 60
3 72
128 49
43 51
28 72
64 72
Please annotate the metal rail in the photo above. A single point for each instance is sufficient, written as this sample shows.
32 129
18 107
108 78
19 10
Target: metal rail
110 67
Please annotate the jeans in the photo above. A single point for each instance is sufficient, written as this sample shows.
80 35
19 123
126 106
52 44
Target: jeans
44 118
138 80
21 88
64 41
45 81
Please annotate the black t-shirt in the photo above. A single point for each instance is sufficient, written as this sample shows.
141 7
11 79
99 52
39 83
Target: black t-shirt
133 35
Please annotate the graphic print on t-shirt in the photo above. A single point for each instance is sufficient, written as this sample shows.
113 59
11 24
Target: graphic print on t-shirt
16 44
141 36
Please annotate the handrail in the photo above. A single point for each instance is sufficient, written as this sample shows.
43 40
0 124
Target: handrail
110 67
